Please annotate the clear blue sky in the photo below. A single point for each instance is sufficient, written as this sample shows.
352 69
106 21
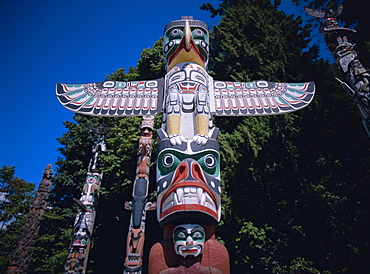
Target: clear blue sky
46 42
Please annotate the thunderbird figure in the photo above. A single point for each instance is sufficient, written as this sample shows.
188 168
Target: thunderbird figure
188 162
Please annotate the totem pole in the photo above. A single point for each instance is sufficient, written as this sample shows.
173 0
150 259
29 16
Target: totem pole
78 251
21 257
139 204
188 157
340 44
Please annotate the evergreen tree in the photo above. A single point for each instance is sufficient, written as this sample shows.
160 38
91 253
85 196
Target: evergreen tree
15 200
288 180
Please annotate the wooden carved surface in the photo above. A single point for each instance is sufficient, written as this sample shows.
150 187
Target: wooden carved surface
21 257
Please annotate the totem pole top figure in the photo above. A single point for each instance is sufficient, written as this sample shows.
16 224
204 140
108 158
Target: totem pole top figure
327 13
188 162
341 46
330 28
186 40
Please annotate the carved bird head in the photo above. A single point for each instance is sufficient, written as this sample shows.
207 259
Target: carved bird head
186 40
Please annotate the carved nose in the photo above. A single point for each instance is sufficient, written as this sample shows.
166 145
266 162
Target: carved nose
181 172
189 240
189 170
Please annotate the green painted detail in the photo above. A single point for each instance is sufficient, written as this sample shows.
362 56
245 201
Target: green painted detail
175 35
74 85
80 98
181 236
250 85
296 84
209 161
121 84
87 103
290 96
76 92
296 91
282 101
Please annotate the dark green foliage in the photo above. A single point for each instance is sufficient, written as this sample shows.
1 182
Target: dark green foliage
293 184
16 198
254 41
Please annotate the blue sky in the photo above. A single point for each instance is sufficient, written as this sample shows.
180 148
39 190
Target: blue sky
46 42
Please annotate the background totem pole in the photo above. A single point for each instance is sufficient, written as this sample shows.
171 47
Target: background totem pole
188 157
22 254
139 204
341 46
78 252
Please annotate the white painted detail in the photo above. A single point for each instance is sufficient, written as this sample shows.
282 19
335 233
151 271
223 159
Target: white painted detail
262 84
109 84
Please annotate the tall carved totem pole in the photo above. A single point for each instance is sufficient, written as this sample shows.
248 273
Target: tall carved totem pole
341 46
20 260
188 158
78 251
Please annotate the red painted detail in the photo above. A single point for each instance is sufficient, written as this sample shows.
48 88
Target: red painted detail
192 47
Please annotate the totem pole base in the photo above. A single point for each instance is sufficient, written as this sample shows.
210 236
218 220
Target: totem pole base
164 260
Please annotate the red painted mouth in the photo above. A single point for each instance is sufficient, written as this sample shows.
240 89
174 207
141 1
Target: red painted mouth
190 250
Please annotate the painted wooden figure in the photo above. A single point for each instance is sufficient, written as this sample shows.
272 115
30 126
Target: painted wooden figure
188 161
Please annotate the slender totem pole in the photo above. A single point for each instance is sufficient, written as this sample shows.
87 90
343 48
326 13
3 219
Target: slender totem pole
139 204
78 251
21 258
340 44
188 157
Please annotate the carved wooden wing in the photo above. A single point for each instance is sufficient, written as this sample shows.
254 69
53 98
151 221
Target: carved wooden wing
112 98
260 97
315 13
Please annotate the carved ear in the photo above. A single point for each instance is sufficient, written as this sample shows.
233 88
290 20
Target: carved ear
161 134
213 133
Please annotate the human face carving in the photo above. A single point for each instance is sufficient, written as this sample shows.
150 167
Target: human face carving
188 240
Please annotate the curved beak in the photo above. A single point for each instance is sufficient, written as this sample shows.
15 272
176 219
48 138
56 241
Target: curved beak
186 50
187 36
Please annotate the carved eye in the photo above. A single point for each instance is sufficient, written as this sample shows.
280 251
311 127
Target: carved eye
210 161
198 32
175 32
181 235
262 84
167 160
197 235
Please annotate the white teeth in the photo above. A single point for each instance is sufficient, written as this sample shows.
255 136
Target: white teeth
189 195
176 201
199 193
180 193
209 203
169 201
190 200
190 190
203 199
